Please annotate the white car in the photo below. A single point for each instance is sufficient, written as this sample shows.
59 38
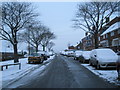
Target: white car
85 56
63 53
103 58
70 53
77 54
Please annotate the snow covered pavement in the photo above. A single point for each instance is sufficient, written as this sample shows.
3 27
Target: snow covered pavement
109 75
13 73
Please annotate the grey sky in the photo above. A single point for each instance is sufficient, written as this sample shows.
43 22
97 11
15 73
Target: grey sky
58 17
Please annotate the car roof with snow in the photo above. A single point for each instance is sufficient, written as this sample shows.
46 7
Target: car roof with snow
86 52
105 51
78 51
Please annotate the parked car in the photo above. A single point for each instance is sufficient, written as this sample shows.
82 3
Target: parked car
47 54
62 53
44 54
36 58
103 58
65 53
70 53
118 65
77 55
85 57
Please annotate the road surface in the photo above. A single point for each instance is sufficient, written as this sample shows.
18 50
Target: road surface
62 72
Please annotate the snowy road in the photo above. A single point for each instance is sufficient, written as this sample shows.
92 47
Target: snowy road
62 72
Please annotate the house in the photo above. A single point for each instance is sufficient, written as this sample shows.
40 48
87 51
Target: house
111 37
79 46
108 36
71 47
88 43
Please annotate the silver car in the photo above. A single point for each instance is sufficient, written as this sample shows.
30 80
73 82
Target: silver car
103 58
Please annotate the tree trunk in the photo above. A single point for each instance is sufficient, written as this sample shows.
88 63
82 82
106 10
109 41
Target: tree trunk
43 47
96 39
15 47
36 48
29 52
15 53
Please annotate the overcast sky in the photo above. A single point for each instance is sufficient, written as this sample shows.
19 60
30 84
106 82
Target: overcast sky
58 17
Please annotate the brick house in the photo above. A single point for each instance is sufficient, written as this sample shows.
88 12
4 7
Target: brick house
79 46
71 48
111 37
88 43
105 39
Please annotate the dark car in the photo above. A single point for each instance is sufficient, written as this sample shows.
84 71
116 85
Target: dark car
44 56
36 58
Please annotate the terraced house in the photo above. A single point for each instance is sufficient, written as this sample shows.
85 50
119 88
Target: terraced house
88 42
111 36
108 37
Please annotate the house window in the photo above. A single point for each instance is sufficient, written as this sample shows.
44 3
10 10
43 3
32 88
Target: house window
115 42
104 43
112 33
106 35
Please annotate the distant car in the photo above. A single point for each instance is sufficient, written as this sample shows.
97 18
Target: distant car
50 53
65 53
47 55
62 53
77 55
44 54
36 58
103 58
118 65
85 56
69 53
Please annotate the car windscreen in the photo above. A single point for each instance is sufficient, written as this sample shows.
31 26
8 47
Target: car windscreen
105 53
78 51
35 54
86 53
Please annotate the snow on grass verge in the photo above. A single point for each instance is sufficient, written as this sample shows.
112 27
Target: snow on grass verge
109 75
13 73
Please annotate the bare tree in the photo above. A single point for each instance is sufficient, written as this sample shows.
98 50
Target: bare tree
50 45
34 34
92 16
15 16
47 36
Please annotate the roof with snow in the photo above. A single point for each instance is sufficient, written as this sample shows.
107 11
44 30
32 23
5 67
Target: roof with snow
112 28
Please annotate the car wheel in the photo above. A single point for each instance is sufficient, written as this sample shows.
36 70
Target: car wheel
29 62
90 63
98 66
